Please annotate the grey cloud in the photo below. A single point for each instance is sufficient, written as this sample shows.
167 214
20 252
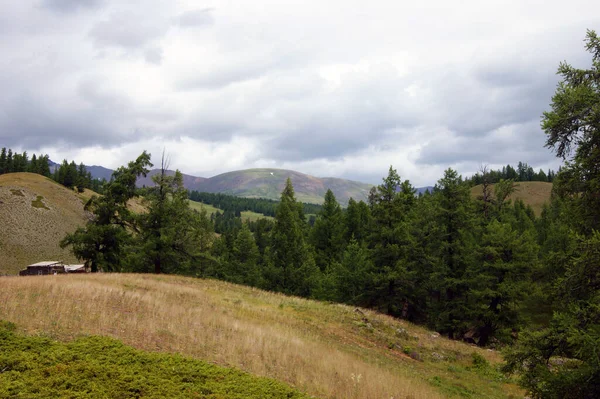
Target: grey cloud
128 31
514 143
196 18
153 55
223 77
71 5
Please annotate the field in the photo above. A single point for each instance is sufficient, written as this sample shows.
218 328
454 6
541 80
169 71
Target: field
532 193
326 350
246 215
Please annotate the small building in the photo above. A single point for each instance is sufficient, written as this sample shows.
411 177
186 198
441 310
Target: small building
75 269
44 268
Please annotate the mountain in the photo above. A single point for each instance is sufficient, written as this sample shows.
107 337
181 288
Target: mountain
189 181
99 172
35 214
269 183
265 183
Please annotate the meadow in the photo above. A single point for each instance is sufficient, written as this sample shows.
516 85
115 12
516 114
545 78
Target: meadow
323 349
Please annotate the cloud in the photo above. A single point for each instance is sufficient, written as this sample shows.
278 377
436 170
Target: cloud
71 5
196 18
333 89
127 30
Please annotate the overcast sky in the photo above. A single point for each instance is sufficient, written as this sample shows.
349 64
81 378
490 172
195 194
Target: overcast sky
329 88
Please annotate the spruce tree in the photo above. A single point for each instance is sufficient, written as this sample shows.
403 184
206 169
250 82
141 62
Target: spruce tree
104 241
292 269
327 234
3 160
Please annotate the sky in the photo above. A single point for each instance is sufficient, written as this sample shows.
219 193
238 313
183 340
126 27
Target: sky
328 88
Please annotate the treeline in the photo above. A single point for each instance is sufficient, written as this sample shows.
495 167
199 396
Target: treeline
68 174
523 172
237 205
72 176
13 162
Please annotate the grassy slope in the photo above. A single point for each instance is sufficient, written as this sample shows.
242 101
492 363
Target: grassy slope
269 183
327 350
101 367
246 215
35 214
533 193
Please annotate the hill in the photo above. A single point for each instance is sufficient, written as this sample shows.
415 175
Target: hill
269 183
533 193
326 350
189 181
35 214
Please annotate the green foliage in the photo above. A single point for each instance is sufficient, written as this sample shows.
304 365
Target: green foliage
98 367
573 130
14 162
171 237
561 359
457 246
291 265
102 243
327 234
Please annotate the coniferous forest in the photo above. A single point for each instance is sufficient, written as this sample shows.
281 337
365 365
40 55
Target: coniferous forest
486 270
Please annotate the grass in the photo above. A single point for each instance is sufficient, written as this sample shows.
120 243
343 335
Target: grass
325 350
39 203
532 193
101 367
35 214
210 210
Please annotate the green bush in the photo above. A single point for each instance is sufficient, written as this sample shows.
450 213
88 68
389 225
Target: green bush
100 367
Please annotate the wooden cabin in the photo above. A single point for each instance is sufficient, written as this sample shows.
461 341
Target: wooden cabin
44 268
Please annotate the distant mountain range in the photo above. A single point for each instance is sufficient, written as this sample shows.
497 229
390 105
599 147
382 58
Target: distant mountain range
264 183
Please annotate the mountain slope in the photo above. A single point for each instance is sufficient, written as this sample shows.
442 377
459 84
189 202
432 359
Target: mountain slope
269 183
327 350
533 193
35 214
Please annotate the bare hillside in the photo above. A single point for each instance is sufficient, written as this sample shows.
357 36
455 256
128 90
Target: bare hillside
35 214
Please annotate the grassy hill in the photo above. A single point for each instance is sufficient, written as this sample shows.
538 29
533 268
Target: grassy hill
534 193
246 215
325 350
269 183
35 214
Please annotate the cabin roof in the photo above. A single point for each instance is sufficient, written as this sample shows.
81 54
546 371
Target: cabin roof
47 263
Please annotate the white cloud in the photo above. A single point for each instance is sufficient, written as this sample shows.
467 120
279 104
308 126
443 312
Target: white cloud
337 88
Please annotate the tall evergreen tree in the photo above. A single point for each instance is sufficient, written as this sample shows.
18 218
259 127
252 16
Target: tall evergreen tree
3 161
456 221
292 268
389 240
103 242
327 234
573 334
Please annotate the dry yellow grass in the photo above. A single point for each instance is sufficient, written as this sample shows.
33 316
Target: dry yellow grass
327 350
35 214
534 193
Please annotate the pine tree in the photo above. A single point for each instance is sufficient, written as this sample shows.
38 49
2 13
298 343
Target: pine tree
327 234
457 247
357 219
500 280
3 160
104 241
573 334
9 162
292 269
389 241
